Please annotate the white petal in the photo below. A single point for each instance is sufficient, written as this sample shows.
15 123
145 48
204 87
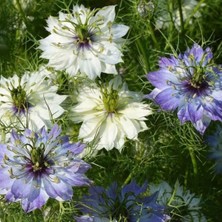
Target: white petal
107 13
90 128
119 31
90 65
111 54
136 111
129 128
107 68
108 133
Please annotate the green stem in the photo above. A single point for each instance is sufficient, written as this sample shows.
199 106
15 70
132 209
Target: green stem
22 12
193 160
127 179
153 37
181 16
142 51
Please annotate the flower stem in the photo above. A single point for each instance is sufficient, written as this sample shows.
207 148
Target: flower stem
181 16
127 179
153 37
193 160
21 11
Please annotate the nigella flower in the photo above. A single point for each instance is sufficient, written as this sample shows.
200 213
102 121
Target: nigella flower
38 165
121 204
84 40
145 8
189 10
215 142
30 101
109 114
190 83
182 205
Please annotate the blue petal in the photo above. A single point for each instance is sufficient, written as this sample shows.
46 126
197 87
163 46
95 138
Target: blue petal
195 112
133 187
76 179
55 132
214 109
35 204
153 94
58 189
5 180
183 114
217 94
198 52
168 62
77 148
162 79
202 124
168 99
35 188
20 188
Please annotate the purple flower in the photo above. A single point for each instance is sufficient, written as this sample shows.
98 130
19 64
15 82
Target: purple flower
190 83
215 142
36 166
121 204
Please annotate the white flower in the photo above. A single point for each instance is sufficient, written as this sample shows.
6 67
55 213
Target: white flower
24 4
179 200
85 41
188 10
109 114
30 101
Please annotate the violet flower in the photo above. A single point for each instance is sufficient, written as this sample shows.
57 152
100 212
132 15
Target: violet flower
190 84
36 166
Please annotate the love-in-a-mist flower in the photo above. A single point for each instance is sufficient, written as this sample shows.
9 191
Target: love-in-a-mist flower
189 12
127 204
110 114
190 84
182 205
215 142
85 41
36 166
30 101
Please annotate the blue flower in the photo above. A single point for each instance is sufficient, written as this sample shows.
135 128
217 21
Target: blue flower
38 165
190 83
126 204
215 142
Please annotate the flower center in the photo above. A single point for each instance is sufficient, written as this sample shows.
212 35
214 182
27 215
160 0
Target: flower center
110 100
84 37
37 158
199 78
19 98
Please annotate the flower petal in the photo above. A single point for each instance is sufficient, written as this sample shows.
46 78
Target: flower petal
167 99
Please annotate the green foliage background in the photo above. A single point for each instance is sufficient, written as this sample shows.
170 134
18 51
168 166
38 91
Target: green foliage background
167 151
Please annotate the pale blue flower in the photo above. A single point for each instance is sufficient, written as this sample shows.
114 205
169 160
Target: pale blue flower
35 166
190 84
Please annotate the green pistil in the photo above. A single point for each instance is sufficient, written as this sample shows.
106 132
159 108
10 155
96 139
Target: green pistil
19 98
110 100
198 77
83 34
120 212
37 158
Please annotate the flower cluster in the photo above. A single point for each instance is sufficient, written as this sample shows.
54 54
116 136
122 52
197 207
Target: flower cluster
85 41
37 165
121 204
30 101
190 83
37 162
109 114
